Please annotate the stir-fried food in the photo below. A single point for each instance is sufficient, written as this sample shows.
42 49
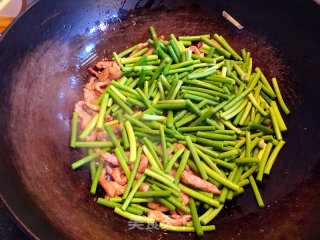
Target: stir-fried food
175 128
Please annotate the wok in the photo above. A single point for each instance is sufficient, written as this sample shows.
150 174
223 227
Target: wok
41 78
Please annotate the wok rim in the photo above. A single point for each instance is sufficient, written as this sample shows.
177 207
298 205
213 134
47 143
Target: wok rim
23 227
14 216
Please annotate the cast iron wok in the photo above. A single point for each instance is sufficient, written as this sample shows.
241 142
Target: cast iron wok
41 78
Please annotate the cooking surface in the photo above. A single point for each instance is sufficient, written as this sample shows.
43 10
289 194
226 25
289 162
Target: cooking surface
48 79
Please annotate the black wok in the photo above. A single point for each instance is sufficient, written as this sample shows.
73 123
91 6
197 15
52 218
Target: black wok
41 78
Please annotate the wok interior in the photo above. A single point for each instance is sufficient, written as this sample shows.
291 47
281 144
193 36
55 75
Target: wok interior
48 81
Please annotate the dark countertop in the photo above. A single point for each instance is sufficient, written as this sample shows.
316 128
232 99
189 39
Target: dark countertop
9 229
